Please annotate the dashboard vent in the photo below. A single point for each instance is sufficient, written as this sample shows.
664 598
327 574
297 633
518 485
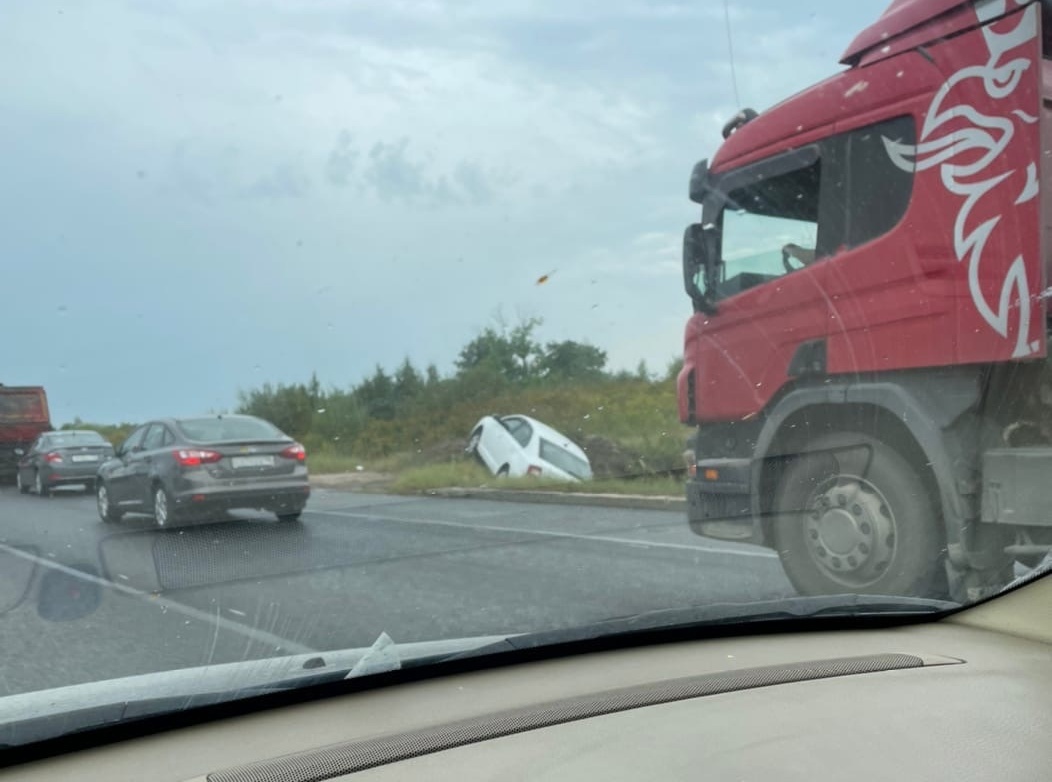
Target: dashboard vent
346 758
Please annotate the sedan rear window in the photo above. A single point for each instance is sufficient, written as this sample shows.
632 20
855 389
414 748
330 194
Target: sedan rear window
564 460
75 439
216 430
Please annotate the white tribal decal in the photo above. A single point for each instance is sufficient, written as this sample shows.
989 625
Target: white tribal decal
989 135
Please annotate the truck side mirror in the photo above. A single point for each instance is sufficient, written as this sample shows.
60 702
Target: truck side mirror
699 181
699 264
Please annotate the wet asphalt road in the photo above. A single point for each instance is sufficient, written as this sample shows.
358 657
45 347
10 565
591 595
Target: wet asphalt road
82 600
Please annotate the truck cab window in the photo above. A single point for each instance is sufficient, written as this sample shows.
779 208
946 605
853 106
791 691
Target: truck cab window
764 218
852 194
877 190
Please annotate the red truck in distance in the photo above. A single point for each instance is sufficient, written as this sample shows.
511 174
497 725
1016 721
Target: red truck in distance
24 415
867 362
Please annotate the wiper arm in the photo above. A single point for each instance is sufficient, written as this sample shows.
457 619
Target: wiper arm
36 716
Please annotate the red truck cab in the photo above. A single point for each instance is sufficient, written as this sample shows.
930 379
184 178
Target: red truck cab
24 415
869 283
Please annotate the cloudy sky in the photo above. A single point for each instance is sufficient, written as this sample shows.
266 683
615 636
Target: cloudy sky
201 196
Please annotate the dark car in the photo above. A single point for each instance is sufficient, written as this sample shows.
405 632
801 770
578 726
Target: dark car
196 468
61 459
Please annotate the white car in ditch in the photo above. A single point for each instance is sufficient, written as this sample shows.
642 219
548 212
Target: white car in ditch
515 445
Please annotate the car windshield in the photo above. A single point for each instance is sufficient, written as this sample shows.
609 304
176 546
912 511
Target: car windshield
564 460
351 286
216 430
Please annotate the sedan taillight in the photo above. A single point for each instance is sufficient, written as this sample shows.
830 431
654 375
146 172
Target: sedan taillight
195 457
53 458
297 452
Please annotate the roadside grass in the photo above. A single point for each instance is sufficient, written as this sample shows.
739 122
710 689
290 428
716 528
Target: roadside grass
322 462
469 475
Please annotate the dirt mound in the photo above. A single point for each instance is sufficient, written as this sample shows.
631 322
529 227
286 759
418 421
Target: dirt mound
610 459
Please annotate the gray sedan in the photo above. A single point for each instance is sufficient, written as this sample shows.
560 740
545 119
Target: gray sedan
197 468
62 459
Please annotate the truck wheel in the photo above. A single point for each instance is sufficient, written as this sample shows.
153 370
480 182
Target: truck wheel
853 517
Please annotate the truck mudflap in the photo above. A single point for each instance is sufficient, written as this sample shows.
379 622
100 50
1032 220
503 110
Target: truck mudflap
1017 488
719 503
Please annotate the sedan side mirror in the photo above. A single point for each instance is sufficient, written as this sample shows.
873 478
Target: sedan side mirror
19 452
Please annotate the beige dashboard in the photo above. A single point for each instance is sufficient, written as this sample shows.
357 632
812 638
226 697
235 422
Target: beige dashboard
967 698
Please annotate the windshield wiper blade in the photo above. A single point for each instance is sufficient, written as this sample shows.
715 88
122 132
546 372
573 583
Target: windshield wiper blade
723 615
36 716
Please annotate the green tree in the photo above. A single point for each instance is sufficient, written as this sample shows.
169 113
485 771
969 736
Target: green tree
408 385
377 395
338 420
572 361
673 369
510 352
288 407
432 377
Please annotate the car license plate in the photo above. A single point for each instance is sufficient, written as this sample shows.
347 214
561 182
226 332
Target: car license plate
85 457
240 462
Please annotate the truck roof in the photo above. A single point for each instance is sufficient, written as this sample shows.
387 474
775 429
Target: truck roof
900 17
905 25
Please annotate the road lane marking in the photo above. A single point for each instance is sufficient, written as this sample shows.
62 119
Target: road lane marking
211 619
761 554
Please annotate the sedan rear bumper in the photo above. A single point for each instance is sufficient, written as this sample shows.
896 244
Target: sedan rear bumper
69 472
274 497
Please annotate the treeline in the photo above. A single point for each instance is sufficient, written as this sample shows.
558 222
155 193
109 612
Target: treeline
502 370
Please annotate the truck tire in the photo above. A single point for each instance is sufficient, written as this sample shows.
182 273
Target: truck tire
853 517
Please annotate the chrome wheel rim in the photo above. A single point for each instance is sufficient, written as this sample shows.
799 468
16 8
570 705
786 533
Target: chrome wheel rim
160 507
38 485
102 497
851 531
